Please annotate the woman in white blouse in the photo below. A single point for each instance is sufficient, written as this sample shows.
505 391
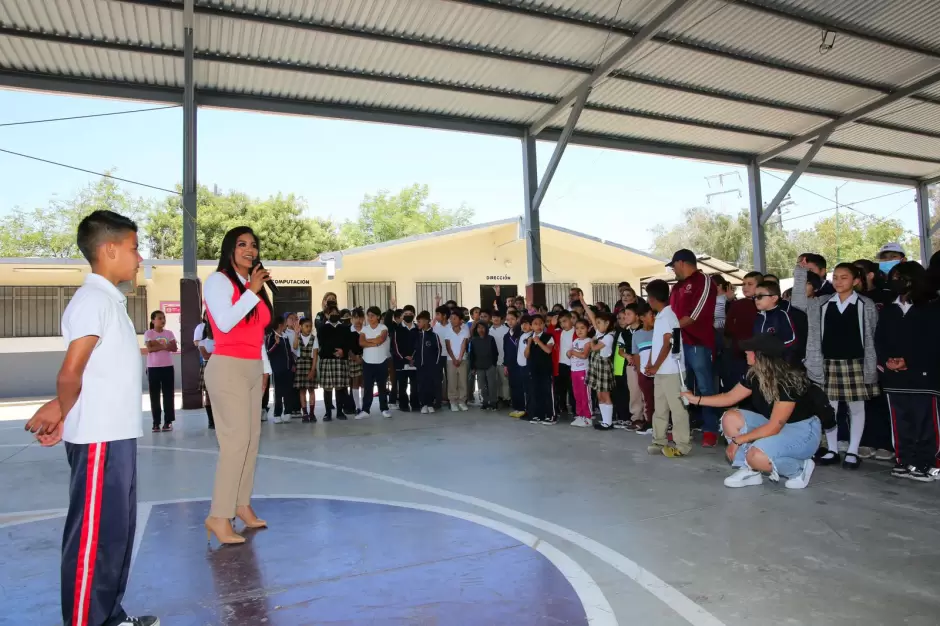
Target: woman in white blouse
238 311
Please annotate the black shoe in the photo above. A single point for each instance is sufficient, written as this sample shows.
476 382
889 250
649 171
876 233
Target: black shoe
900 471
550 421
826 457
918 474
146 620
212 426
643 428
599 425
535 420
313 418
340 416
327 418
851 461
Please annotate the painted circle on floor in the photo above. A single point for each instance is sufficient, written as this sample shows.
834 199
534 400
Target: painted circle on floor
321 561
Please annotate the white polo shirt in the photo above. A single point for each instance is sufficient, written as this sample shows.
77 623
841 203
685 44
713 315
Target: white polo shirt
109 404
376 354
456 339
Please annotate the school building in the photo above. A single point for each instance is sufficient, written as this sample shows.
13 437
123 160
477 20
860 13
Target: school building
463 264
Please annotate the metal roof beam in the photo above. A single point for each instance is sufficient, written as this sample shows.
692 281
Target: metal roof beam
794 176
616 57
828 128
560 146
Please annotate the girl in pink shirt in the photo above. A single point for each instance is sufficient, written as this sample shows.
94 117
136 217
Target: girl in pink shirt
161 344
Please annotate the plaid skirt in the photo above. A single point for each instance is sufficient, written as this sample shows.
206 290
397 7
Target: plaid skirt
332 374
301 380
202 378
600 375
355 369
845 381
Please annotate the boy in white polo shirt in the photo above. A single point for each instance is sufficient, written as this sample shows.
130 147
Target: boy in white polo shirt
97 412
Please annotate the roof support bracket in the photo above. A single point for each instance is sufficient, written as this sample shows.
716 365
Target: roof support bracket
924 228
560 146
616 58
794 176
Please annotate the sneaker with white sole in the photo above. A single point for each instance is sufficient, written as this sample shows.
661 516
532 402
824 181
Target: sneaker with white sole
264 415
431 409
144 620
802 479
362 415
884 455
579 422
286 419
424 410
277 419
463 407
744 477
387 414
454 408
918 474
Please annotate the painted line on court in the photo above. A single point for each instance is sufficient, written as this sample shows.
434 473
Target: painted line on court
663 591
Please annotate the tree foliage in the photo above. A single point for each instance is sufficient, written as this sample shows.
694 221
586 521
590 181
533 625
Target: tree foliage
728 238
282 222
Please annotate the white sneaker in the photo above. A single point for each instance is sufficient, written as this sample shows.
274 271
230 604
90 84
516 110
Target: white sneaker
264 415
463 407
286 419
393 406
430 409
424 410
580 422
277 419
453 408
386 414
362 415
744 477
802 479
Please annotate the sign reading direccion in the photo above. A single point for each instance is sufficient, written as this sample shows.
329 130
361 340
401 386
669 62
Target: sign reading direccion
499 277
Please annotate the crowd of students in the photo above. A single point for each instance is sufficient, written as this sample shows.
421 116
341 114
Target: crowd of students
649 365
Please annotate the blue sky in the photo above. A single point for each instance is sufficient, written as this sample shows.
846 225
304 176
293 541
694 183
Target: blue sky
333 164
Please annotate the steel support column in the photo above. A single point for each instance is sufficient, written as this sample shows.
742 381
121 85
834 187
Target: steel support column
560 146
794 176
758 242
530 183
190 291
924 228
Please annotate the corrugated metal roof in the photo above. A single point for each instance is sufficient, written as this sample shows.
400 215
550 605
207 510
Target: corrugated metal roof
727 80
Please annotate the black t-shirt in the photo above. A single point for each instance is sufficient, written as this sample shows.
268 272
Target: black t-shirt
803 410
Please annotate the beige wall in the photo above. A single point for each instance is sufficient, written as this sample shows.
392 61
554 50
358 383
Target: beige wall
471 258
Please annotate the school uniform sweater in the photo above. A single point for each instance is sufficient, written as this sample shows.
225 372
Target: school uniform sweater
915 337
332 338
777 322
484 354
404 344
280 354
815 309
540 362
427 350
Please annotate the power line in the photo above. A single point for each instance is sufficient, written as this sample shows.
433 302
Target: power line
85 117
81 169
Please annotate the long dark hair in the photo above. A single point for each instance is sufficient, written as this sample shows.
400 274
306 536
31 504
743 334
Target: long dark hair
918 284
206 326
226 267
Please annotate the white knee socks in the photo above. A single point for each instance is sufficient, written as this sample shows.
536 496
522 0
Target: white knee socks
357 397
856 427
607 413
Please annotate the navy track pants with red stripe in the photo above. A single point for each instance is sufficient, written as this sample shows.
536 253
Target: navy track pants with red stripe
99 532
915 426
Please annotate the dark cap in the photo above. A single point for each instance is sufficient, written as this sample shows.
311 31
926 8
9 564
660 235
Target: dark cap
683 255
764 343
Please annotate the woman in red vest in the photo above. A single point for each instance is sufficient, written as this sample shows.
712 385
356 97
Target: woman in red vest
239 311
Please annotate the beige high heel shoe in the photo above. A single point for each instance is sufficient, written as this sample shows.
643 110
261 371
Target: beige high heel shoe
247 515
222 529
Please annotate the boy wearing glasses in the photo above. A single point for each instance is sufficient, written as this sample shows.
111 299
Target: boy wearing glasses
774 319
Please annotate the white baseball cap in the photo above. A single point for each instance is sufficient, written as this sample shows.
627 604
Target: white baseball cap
891 247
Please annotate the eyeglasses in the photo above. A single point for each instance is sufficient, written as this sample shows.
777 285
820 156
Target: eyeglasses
762 295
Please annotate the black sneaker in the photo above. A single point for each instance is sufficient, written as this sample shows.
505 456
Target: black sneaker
535 420
918 474
341 417
549 421
145 620
599 425
313 418
327 418
899 471
643 428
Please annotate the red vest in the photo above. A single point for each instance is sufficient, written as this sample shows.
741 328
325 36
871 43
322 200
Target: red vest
246 338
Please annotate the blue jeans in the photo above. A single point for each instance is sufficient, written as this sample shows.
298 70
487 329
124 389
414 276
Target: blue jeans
787 449
700 378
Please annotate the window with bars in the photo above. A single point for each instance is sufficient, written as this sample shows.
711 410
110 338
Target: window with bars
558 293
428 292
37 311
364 295
606 293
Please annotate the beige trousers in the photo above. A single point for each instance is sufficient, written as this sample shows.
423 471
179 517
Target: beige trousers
667 399
234 387
636 395
457 383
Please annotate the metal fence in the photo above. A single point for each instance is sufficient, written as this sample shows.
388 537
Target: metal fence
364 295
606 293
37 311
427 293
557 293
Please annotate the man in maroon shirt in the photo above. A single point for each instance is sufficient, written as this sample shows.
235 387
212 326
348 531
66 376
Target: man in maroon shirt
739 325
693 301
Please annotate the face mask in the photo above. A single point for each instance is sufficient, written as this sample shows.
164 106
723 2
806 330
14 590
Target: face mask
885 266
409 318
334 318
330 303
898 286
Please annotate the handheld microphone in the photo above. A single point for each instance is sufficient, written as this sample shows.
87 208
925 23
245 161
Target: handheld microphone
270 283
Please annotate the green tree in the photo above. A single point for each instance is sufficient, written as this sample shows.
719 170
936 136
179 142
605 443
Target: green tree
857 237
50 231
280 221
384 217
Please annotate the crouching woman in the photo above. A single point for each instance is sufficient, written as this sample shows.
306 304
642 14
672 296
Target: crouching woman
779 436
